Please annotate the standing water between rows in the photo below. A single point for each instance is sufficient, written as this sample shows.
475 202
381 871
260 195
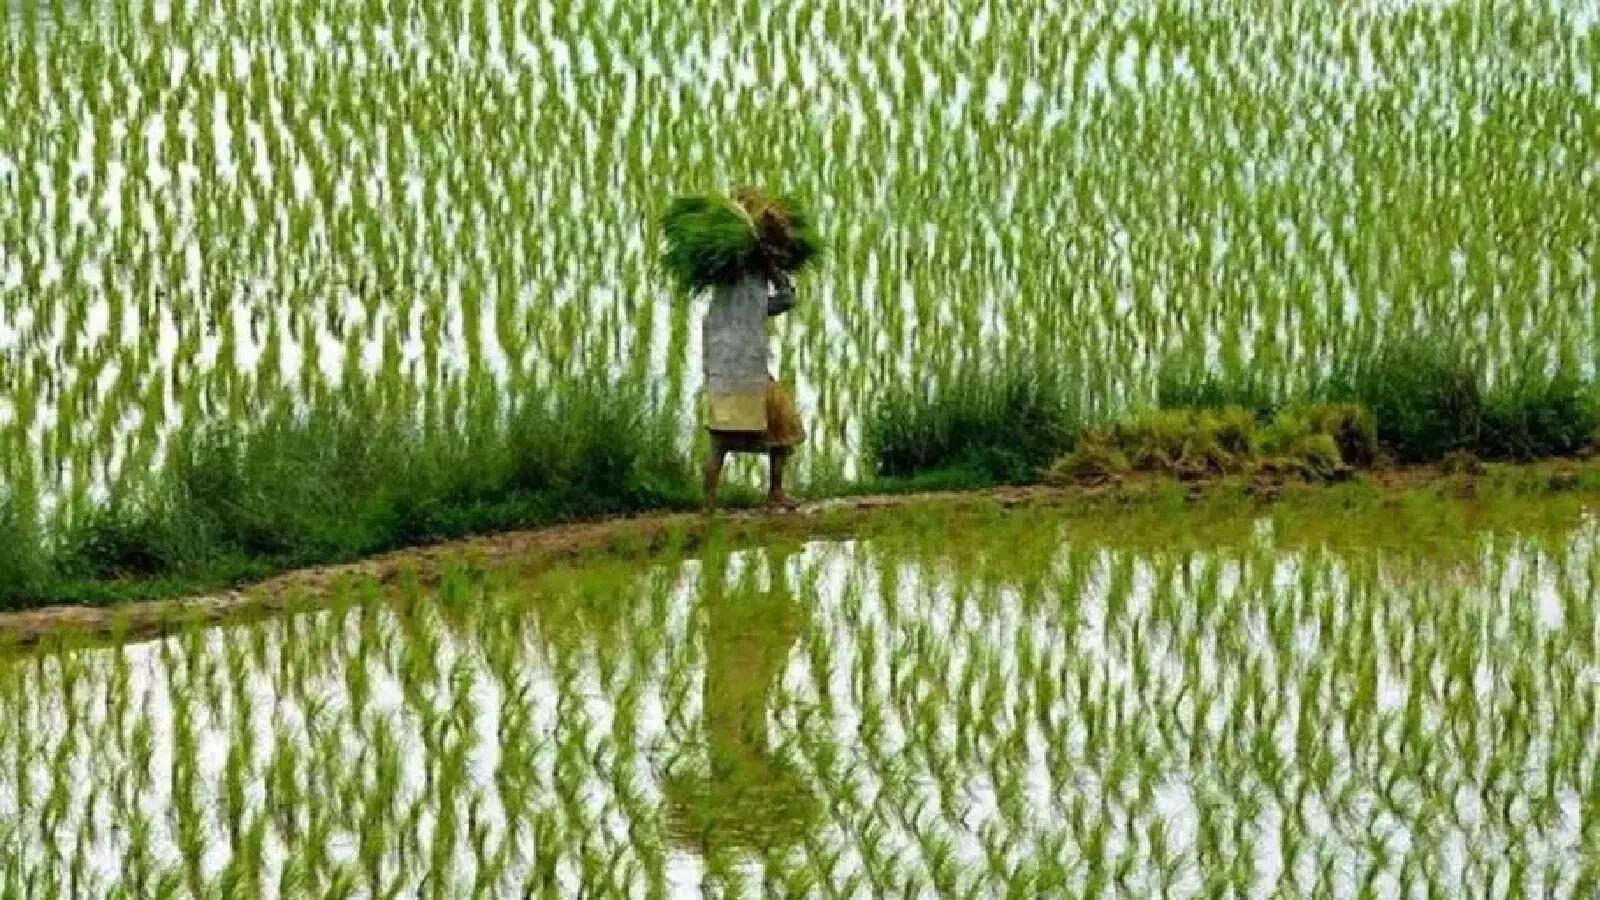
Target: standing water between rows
1358 704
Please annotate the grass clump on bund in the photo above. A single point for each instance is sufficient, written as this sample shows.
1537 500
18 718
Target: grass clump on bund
1431 400
1412 402
999 425
344 481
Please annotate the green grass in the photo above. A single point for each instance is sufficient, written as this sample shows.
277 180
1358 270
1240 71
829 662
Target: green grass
1183 385
1412 401
348 480
1431 399
1537 415
351 478
998 425
23 569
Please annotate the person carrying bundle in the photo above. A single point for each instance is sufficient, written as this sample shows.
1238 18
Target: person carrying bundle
745 251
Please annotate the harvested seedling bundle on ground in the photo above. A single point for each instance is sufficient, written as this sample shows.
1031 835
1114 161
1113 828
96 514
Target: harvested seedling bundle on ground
1316 441
716 241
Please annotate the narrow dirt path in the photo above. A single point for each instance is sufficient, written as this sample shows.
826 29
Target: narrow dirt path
527 549
545 547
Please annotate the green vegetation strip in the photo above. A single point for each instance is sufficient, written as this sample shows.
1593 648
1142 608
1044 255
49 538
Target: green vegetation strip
236 504
1474 498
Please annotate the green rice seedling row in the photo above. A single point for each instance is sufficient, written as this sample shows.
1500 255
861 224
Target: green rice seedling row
215 211
1215 704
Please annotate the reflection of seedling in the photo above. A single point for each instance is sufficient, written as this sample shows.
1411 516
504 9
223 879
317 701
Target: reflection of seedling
957 715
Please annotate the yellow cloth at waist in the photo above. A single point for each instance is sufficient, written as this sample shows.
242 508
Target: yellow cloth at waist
737 411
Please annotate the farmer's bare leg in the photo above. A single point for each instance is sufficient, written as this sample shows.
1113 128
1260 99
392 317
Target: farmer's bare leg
714 462
779 458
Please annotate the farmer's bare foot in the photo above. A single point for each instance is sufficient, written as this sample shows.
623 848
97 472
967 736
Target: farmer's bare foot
782 501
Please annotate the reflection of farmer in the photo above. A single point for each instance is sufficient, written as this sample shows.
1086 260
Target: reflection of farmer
743 249
749 798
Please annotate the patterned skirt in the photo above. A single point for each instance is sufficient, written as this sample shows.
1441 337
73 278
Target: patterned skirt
783 425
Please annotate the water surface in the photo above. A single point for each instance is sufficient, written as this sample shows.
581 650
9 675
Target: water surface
1347 704
216 211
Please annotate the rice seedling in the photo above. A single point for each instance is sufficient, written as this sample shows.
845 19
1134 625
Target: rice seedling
294 282
853 718
216 216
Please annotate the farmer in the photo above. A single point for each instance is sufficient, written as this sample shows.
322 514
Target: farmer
748 411
743 249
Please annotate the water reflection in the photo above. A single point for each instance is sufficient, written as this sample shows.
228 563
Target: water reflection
749 797
1012 705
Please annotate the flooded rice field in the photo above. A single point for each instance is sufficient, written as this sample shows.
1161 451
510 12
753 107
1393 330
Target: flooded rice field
1388 703
217 209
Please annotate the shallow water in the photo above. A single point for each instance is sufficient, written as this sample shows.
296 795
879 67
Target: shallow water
470 191
1365 704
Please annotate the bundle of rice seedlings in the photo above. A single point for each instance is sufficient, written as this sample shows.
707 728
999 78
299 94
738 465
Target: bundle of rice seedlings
1187 443
1326 441
1094 459
1306 442
1353 428
717 241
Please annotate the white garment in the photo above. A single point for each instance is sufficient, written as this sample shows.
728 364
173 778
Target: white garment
734 352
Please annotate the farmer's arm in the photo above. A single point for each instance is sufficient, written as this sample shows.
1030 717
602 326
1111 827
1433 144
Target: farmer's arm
782 298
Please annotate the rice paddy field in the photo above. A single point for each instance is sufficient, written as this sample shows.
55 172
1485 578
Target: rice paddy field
1379 703
218 212
214 210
